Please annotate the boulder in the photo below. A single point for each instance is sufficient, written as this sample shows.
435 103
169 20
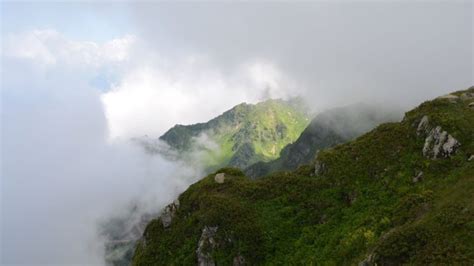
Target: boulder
471 105
205 246
439 144
423 126
418 177
238 261
471 158
319 168
169 213
219 178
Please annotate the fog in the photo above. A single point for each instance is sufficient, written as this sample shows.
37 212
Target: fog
61 174
337 51
72 98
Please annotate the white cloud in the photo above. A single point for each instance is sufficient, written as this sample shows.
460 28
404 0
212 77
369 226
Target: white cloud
151 91
62 173
149 100
49 47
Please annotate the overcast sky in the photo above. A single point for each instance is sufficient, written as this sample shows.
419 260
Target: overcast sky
80 78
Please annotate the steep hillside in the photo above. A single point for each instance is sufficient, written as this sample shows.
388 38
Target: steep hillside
402 193
243 135
327 129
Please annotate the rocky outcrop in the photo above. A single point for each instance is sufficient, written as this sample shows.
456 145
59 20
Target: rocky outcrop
467 96
367 261
219 178
168 213
206 244
418 177
450 97
438 143
238 261
423 126
319 168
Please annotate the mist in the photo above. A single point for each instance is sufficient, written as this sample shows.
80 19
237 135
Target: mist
79 81
62 175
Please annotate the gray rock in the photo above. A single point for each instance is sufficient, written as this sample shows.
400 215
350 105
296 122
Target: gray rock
471 158
220 178
205 246
319 168
467 96
423 126
450 97
368 261
168 213
439 144
471 105
238 261
418 177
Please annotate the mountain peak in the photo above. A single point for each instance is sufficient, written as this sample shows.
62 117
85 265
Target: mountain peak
243 135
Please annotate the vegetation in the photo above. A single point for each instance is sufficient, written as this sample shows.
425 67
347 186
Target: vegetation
243 135
327 129
363 205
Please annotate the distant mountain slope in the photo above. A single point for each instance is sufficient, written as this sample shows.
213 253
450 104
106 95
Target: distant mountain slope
400 194
243 135
327 129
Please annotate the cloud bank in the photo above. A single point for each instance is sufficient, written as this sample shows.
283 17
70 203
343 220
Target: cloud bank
70 105
338 51
61 172
69 109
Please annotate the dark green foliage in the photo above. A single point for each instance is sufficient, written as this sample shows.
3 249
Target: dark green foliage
364 205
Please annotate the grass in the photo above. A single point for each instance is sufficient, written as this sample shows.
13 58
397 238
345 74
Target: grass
267 127
365 203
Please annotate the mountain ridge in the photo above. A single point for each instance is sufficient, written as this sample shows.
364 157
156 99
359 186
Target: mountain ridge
402 193
327 129
243 135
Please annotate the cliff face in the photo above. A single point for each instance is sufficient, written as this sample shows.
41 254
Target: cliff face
401 193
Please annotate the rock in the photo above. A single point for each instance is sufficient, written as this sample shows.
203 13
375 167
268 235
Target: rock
168 213
418 177
423 126
450 97
368 261
467 96
220 178
471 105
450 146
439 144
205 246
471 158
238 261
319 168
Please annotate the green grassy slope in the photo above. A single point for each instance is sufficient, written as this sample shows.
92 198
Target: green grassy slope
327 129
243 135
362 205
